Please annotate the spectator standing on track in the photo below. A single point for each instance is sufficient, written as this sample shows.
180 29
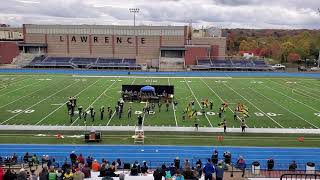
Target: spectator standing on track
208 170
59 174
214 157
144 168
293 166
89 160
177 163
241 164
219 170
80 159
73 158
270 164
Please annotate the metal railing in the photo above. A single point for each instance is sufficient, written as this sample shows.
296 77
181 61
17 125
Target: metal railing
300 176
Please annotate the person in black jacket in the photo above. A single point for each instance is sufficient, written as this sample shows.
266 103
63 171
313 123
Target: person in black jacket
10 175
73 158
144 168
157 174
270 164
177 163
214 157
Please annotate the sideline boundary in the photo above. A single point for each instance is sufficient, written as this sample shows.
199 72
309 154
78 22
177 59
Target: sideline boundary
160 129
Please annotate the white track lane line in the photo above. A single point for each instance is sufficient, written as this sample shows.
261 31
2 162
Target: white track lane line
65 103
197 100
254 105
39 102
174 111
96 100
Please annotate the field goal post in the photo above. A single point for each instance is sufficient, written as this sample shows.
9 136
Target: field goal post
138 136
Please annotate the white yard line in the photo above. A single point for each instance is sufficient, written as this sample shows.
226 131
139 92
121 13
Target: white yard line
95 100
20 88
254 105
174 111
221 99
115 111
158 77
65 103
15 82
26 95
288 87
197 100
292 98
39 102
285 108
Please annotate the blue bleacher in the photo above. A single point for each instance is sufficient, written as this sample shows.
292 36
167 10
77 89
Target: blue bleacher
204 62
83 61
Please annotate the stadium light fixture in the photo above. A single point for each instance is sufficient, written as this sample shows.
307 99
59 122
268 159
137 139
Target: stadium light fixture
134 11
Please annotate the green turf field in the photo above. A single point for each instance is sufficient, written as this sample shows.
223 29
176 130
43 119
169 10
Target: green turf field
272 102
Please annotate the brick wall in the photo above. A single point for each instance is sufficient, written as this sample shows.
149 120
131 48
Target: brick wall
8 51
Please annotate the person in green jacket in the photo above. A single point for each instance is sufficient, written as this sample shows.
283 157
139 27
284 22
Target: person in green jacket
52 174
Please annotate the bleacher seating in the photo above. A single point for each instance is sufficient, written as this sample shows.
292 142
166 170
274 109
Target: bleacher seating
81 62
231 64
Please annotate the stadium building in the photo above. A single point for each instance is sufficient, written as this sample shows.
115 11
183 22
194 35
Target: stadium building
163 47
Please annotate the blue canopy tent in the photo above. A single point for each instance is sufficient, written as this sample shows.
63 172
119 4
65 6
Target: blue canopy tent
147 89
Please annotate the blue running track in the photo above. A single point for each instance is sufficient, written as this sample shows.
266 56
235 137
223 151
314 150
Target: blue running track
190 74
156 155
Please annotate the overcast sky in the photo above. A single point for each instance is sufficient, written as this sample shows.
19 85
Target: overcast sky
221 13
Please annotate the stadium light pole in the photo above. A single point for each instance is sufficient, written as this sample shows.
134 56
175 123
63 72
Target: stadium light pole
134 11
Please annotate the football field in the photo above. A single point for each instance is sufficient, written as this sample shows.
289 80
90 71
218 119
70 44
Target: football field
272 102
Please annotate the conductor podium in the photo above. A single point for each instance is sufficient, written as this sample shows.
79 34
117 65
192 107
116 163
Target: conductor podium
138 136
92 136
